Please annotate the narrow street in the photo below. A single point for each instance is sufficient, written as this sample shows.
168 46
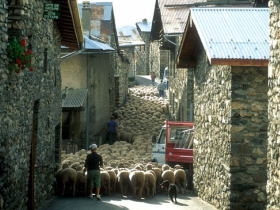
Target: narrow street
115 202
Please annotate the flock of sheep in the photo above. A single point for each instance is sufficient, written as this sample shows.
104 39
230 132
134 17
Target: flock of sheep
138 182
127 167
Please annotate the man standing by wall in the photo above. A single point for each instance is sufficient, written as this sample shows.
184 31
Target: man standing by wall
153 78
92 166
161 88
112 129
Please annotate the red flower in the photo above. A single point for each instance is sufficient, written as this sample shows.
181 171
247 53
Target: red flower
28 52
23 43
18 61
30 69
17 71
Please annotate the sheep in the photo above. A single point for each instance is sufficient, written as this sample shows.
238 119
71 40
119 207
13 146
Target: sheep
177 166
124 181
149 166
158 173
58 182
180 180
137 181
165 167
81 182
68 174
113 180
150 183
168 175
105 182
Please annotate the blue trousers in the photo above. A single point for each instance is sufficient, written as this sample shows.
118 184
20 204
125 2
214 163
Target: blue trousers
161 93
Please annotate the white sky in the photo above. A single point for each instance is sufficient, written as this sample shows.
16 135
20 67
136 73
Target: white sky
128 12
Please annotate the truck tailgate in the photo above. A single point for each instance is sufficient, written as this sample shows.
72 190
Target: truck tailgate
179 155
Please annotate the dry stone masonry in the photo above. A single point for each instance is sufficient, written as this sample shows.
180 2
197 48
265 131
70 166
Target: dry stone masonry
30 107
273 167
231 135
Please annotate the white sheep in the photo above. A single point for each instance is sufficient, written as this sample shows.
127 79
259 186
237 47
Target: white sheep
124 181
81 182
68 174
150 183
180 180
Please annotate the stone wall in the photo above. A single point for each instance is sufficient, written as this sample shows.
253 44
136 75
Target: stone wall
30 107
141 62
181 95
231 119
273 109
155 58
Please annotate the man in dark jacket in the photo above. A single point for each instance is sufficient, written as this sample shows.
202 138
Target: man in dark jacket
112 129
92 166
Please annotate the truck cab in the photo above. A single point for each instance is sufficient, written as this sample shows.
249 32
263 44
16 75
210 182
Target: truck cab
174 146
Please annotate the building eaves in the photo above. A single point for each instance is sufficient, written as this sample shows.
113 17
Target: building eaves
92 45
69 25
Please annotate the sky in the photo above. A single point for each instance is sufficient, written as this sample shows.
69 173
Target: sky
128 12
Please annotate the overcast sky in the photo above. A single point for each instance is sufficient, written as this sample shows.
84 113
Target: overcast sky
128 12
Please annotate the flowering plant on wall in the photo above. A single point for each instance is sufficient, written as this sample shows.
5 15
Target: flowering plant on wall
20 56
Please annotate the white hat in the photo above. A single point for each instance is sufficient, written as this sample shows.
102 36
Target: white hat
93 146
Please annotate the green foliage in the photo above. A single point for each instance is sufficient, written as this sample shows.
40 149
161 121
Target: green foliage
20 56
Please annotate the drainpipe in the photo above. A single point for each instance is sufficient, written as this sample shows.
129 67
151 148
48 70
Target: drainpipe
87 117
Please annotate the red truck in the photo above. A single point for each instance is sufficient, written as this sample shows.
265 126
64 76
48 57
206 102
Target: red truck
174 145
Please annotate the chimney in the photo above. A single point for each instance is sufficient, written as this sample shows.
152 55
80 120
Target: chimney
144 21
86 15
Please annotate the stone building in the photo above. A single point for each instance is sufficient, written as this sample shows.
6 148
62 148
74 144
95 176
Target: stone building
86 89
133 49
168 26
144 30
230 97
30 112
273 166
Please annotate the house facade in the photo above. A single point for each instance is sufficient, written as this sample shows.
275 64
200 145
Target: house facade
30 113
97 69
230 97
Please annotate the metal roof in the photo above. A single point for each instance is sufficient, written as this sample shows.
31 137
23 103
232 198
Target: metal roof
174 18
144 26
129 36
93 45
74 98
230 36
233 33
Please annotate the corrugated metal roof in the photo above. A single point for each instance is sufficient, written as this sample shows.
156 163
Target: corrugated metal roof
96 46
144 26
74 98
174 18
233 33
129 36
